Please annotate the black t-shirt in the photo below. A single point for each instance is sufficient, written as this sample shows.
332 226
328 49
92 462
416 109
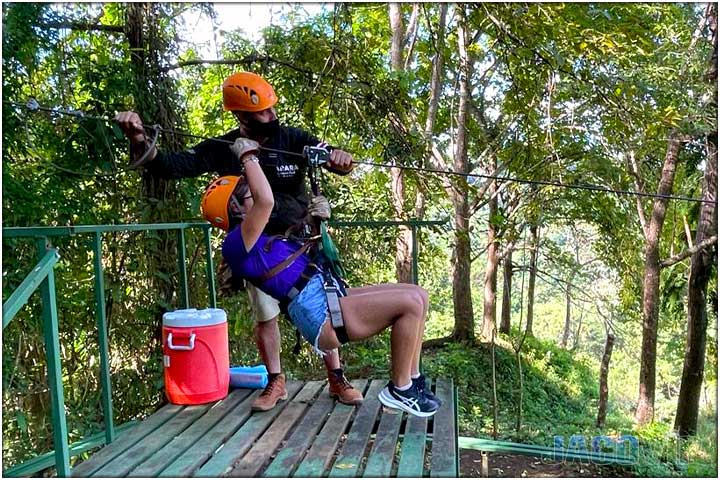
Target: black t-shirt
285 173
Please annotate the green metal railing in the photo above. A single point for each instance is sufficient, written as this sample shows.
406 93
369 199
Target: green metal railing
487 445
42 276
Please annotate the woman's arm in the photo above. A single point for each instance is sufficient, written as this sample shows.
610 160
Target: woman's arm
258 215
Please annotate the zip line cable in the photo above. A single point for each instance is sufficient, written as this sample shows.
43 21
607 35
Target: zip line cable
32 105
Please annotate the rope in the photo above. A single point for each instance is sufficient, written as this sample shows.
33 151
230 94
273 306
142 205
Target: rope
33 105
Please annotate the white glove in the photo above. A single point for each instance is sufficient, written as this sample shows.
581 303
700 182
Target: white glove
319 207
244 146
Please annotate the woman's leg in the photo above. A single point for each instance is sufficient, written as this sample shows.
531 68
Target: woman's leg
415 370
371 289
366 315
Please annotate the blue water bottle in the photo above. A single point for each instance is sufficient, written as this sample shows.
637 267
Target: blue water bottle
248 377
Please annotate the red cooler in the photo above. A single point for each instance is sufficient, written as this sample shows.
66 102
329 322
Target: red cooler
195 356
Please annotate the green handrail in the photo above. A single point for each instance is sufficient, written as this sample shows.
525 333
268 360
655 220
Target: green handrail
47 460
42 276
20 296
556 453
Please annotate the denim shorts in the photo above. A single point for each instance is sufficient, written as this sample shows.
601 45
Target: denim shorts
309 310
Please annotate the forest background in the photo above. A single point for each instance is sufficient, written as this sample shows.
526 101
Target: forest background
599 308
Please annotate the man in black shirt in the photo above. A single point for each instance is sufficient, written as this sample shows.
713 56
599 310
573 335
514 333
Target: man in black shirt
251 100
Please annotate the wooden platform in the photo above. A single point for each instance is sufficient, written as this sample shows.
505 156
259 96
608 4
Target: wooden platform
308 435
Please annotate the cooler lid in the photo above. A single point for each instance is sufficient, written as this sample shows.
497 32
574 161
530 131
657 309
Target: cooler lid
192 317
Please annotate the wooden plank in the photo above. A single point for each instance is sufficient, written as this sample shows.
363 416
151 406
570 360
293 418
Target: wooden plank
204 448
348 462
380 459
309 392
125 441
444 444
235 447
253 461
412 452
140 451
318 458
167 454
291 454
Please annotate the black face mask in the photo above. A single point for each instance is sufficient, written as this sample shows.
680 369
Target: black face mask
257 129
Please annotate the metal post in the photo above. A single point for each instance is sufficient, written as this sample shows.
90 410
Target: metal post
457 431
182 266
52 350
103 339
210 269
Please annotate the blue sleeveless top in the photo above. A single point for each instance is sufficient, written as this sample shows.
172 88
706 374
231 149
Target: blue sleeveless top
253 264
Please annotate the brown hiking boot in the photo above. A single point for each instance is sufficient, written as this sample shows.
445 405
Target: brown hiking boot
341 389
273 393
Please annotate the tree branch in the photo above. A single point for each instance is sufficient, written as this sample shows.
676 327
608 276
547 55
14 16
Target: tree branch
238 61
689 252
82 26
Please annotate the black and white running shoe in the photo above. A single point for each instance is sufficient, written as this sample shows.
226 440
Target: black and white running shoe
420 384
412 400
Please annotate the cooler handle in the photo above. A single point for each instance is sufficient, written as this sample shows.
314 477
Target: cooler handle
191 346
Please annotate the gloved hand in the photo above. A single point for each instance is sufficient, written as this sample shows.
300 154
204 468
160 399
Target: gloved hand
244 146
227 284
319 207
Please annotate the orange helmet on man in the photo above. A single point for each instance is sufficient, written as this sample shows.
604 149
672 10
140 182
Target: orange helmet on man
247 92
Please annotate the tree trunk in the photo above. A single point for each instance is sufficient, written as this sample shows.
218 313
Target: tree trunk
434 98
576 340
494 388
568 307
436 77
604 368
155 102
701 264
462 297
490 292
645 410
535 243
398 33
507 292
403 242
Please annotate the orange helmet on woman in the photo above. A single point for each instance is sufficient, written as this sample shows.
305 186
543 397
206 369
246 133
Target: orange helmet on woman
222 202
247 92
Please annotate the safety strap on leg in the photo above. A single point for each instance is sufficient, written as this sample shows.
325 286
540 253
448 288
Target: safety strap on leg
333 299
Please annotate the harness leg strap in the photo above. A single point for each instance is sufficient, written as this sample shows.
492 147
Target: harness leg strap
333 299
